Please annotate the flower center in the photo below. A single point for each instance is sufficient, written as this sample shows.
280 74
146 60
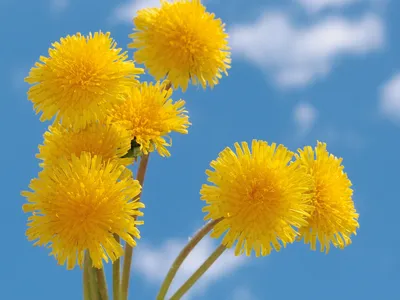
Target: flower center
81 75
262 194
186 41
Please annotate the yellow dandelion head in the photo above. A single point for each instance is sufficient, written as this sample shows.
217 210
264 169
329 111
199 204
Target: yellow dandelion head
259 196
182 41
334 218
109 141
150 115
81 79
78 205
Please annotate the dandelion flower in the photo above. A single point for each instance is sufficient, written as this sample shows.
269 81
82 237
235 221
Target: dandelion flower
182 41
81 79
334 218
150 115
109 141
259 196
78 205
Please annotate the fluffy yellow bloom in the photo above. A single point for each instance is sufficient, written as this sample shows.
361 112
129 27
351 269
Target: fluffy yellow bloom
259 196
78 205
334 218
81 79
182 41
150 115
109 141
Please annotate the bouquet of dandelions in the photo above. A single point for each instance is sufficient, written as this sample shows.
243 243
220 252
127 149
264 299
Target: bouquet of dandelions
85 203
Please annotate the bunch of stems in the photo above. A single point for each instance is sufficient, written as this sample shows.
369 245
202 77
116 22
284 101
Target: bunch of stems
94 280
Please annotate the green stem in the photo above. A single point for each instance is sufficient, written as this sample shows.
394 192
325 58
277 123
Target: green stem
102 284
92 280
126 272
126 269
182 256
86 282
200 271
116 271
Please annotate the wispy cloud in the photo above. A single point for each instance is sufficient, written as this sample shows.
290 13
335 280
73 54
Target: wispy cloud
126 11
304 115
346 138
297 55
389 103
58 6
333 134
243 293
317 6
314 6
17 77
154 262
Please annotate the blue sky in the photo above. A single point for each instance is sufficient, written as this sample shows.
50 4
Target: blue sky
303 70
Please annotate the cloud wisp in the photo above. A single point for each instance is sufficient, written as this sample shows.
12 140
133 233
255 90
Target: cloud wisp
305 116
243 293
315 6
125 12
58 6
389 103
297 55
153 262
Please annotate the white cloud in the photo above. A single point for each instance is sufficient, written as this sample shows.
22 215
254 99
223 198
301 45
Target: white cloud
126 11
58 5
304 115
243 293
348 138
297 55
314 6
17 78
154 262
390 98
